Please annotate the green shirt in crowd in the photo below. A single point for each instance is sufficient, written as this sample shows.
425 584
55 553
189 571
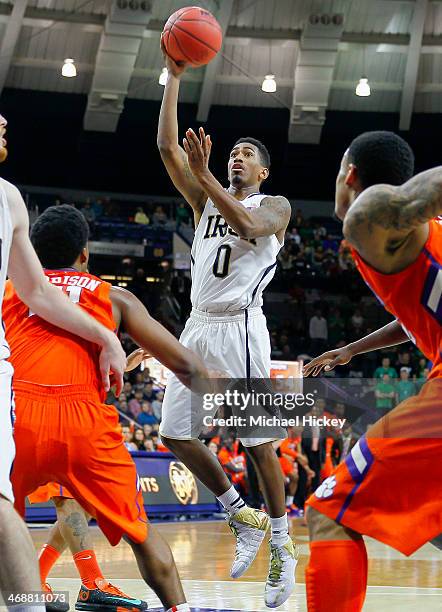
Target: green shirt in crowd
384 402
405 389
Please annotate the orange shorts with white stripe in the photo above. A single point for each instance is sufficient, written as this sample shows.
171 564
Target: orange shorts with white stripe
390 485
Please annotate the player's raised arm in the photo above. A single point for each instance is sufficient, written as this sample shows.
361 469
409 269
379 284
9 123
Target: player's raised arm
389 335
270 218
172 154
395 216
48 302
154 338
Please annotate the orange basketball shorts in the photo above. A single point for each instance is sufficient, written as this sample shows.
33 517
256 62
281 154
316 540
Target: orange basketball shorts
390 485
65 434
47 492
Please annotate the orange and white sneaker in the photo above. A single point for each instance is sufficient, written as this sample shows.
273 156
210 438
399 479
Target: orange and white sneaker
58 603
108 597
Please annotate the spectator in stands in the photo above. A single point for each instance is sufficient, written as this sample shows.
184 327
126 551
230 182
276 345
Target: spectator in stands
330 244
157 405
97 207
422 379
147 377
318 332
385 368
149 445
127 389
146 416
405 388
404 361
357 322
314 444
128 438
147 429
336 327
138 384
213 446
385 395
182 214
140 217
139 439
299 219
234 463
149 392
159 216
422 365
88 213
135 403
294 236
343 444
180 288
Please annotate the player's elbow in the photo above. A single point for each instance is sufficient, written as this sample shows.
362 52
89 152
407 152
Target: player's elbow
247 230
166 147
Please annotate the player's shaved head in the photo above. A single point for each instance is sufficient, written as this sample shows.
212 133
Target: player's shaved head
59 236
381 157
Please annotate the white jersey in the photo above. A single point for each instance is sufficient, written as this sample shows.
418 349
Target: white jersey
230 273
5 246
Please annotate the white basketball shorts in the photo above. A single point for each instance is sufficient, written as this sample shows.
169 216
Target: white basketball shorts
237 343
7 446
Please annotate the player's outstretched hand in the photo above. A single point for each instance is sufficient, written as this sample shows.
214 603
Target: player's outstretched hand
135 358
112 360
175 68
327 361
198 151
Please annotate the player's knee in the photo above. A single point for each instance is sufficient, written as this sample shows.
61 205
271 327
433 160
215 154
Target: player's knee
66 506
321 527
261 452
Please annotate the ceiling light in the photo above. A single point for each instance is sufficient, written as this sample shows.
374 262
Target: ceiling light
269 83
363 88
69 69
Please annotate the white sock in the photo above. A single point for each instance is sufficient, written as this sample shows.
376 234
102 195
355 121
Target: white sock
280 530
231 501
180 608
289 500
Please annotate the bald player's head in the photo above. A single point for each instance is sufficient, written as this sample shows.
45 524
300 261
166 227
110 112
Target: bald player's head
372 158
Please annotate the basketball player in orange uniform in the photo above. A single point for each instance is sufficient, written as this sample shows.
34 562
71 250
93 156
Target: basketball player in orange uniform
71 531
390 485
72 437
18 563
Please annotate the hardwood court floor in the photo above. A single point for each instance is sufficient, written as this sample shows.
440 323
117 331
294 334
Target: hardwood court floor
203 552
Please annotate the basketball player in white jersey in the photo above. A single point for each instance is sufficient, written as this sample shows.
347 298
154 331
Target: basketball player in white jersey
239 232
18 562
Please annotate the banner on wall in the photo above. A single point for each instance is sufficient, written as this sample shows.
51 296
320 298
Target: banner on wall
168 486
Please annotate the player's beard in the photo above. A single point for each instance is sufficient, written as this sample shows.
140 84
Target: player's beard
237 181
3 154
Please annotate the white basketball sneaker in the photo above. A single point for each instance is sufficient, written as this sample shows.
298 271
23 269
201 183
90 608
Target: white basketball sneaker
281 579
249 526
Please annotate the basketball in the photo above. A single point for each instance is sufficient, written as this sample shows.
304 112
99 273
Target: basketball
192 35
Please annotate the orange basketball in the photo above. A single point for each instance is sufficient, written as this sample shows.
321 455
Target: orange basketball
192 35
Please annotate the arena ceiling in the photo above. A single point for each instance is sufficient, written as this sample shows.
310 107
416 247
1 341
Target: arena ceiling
317 50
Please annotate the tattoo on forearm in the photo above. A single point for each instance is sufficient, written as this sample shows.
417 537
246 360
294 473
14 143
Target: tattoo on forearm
187 171
399 208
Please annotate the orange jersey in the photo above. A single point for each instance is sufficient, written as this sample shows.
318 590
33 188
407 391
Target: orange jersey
44 354
414 296
290 447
